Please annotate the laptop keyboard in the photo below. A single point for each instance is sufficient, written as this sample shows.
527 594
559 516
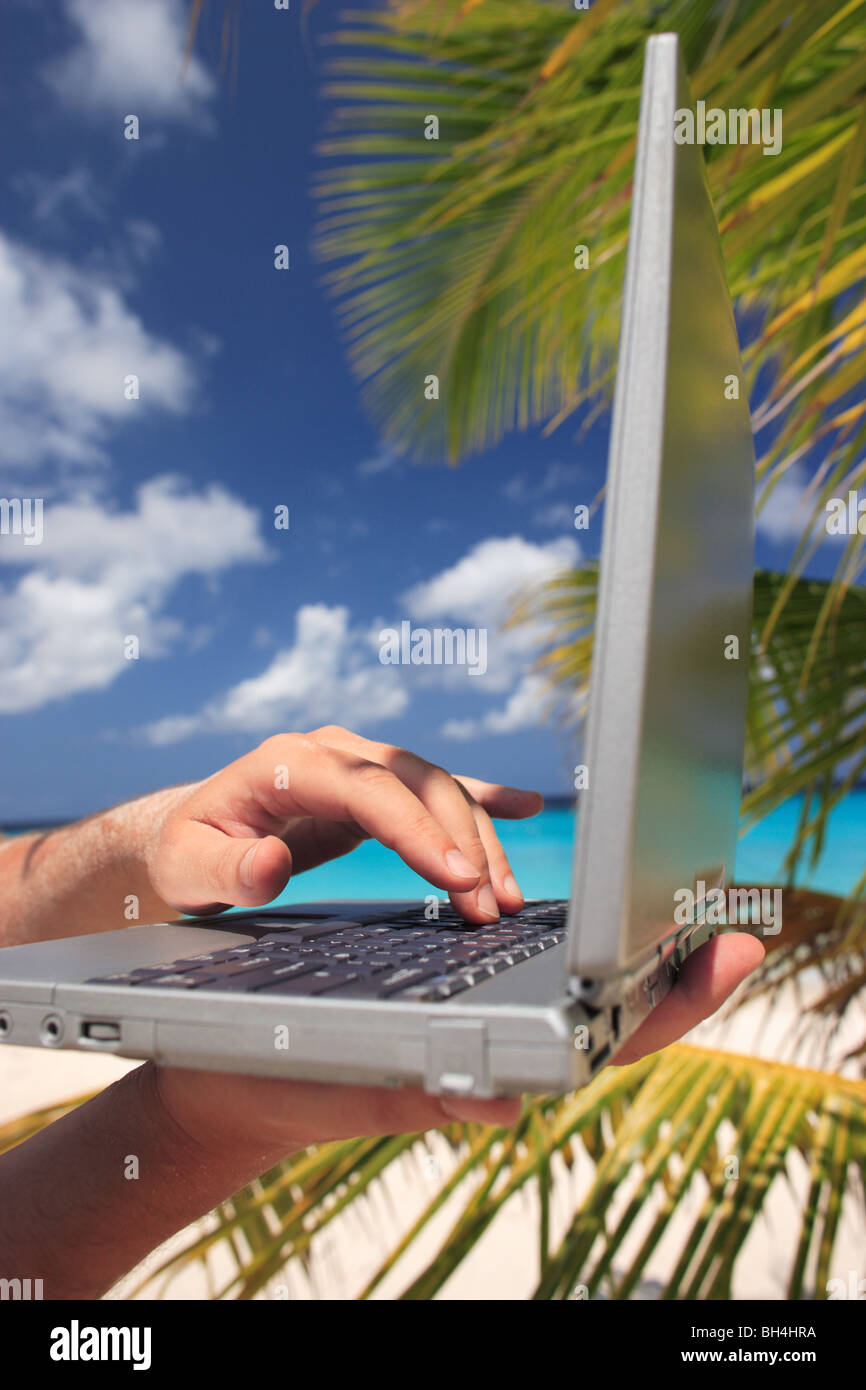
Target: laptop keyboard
405 957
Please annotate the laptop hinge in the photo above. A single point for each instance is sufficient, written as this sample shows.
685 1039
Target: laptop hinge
652 977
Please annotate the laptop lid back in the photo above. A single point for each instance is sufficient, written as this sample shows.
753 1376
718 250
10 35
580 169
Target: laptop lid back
669 679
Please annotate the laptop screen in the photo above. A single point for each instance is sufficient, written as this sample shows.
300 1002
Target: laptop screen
670 666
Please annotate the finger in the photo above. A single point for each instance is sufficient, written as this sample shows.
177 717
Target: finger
338 785
317 841
344 1112
506 803
505 885
445 800
705 981
202 869
223 1108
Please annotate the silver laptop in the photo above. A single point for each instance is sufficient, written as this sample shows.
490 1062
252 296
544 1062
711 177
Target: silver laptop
378 992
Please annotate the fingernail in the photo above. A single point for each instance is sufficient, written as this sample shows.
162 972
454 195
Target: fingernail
246 868
509 883
486 901
460 865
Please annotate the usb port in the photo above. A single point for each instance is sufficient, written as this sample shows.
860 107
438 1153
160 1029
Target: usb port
96 1031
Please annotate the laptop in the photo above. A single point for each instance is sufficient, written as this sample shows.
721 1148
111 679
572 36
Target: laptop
383 993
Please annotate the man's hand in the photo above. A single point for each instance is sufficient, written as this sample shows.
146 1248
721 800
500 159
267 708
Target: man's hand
235 839
705 981
301 799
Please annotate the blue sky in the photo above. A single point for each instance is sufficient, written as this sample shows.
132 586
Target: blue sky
155 257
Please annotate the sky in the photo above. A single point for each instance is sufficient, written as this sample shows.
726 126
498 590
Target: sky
154 258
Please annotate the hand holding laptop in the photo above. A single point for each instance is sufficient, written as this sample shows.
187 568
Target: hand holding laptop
228 839
220 1110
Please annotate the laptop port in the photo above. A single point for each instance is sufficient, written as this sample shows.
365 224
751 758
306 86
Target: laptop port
100 1032
51 1031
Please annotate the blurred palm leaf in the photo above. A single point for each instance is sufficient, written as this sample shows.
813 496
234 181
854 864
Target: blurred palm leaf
690 1142
821 944
455 256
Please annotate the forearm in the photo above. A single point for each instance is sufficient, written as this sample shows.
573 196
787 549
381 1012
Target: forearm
85 877
87 1198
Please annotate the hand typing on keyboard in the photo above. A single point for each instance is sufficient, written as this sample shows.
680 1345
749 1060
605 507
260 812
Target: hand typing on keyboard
301 799
296 801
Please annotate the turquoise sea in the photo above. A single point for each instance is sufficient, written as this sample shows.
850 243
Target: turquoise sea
540 853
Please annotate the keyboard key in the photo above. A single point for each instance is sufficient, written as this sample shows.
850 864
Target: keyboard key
172 981
318 982
383 985
400 979
474 974
248 980
122 978
440 987
168 968
307 931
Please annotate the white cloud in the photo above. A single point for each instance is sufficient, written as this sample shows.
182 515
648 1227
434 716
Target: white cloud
331 673
477 592
785 516
559 516
144 238
557 475
101 575
478 587
383 461
67 341
327 676
49 196
522 710
128 59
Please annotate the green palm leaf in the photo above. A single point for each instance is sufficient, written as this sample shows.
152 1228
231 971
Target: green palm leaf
688 1123
455 257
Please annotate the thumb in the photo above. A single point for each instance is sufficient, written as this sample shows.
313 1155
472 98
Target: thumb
499 1111
201 869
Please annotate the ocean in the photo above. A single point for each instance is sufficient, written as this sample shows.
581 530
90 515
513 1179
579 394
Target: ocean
540 853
